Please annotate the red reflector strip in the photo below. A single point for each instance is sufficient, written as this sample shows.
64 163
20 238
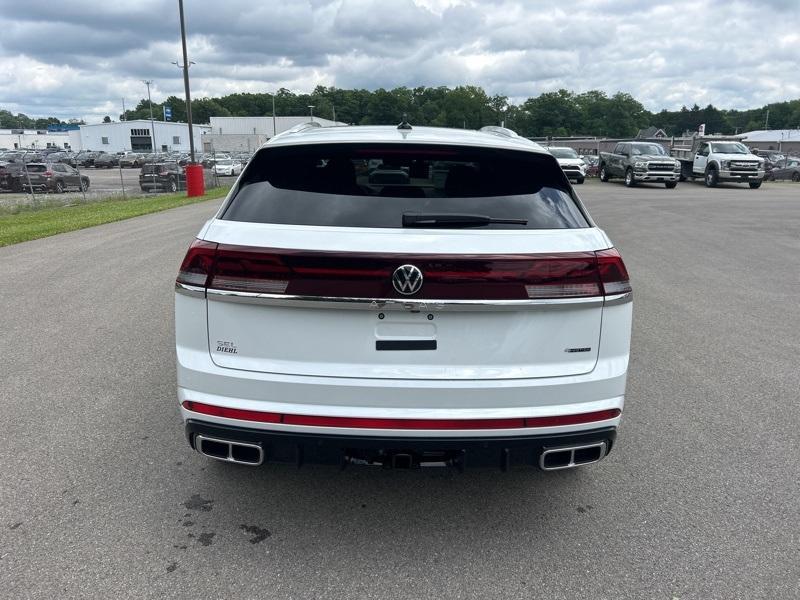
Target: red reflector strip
232 413
600 415
369 423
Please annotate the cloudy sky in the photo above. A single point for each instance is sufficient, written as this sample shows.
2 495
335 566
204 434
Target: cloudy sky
80 58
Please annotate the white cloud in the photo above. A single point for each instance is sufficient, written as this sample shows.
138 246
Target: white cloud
84 60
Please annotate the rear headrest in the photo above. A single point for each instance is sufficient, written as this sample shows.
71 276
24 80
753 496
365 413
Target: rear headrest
462 180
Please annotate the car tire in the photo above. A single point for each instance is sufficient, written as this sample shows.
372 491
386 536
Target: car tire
59 187
670 185
84 186
579 181
754 185
629 180
795 177
711 178
603 174
173 185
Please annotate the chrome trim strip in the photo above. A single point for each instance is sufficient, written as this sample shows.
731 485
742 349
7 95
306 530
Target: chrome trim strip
618 299
412 305
190 290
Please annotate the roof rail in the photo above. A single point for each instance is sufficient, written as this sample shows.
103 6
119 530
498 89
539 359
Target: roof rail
501 131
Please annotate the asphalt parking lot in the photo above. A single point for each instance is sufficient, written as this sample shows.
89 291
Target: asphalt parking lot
102 497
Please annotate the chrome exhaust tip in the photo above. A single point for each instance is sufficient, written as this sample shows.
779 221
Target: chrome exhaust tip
568 457
241 453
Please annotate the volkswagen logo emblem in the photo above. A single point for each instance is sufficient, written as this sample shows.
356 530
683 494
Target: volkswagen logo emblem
407 280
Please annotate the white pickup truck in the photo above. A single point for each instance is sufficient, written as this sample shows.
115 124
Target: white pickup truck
718 159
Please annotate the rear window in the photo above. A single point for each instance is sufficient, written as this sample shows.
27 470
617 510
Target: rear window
37 168
356 185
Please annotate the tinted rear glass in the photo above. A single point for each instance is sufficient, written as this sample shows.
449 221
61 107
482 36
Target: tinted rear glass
37 168
356 185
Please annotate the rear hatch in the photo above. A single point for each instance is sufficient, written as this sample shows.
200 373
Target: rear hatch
310 270
38 174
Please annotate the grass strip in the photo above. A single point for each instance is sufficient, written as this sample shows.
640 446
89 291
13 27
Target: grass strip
24 225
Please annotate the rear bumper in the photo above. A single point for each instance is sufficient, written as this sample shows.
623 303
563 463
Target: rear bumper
498 451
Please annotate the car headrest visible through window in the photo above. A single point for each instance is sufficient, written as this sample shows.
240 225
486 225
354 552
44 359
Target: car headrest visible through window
462 180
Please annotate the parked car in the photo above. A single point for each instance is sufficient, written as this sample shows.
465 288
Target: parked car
209 160
11 175
164 176
228 167
572 165
130 160
105 160
86 158
789 168
64 156
408 333
53 177
13 156
640 162
592 164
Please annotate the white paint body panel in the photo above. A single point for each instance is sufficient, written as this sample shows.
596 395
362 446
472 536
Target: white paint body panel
323 361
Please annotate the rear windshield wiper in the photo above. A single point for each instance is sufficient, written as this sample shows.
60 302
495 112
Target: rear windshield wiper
455 220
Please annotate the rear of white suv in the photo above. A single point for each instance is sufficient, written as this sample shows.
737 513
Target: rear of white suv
402 297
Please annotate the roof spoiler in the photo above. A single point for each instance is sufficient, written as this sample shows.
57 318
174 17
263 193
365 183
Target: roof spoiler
501 131
299 128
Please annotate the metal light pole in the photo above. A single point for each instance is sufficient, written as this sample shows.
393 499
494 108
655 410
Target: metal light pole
148 82
274 126
186 83
311 108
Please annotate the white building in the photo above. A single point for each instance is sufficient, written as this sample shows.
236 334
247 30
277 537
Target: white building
138 136
36 139
246 134
261 125
786 140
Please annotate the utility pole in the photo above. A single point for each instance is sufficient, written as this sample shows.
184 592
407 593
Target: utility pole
766 122
148 83
311 108
186 83
123 109
274 126
333 106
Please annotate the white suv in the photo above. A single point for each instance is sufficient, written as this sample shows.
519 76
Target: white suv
573 165
403 297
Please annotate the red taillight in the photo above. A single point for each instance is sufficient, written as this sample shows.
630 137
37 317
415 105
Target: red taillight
197 264
250 270
48 173
613 274
446 277
403 424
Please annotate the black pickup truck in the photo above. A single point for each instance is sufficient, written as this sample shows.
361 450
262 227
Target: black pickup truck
640 162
